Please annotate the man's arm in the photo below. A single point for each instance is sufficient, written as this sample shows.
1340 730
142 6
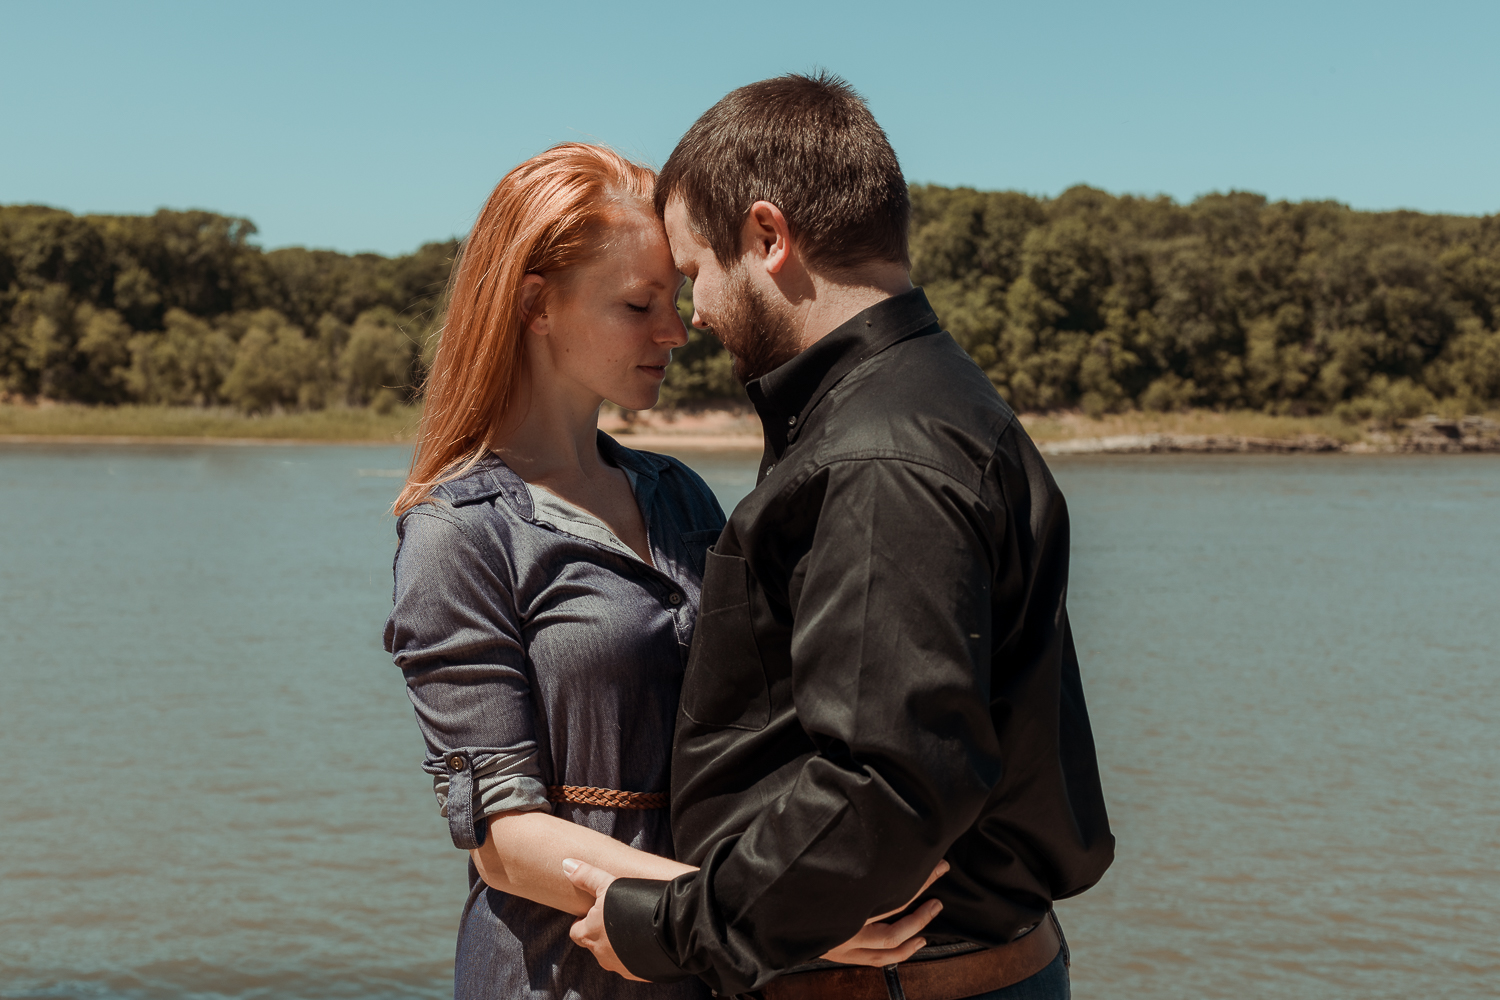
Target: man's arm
890 651
877 944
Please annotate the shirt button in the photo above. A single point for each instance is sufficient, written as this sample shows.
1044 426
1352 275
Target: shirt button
457 762
791 421
674 599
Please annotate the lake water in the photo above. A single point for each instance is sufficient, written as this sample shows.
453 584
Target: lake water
208 767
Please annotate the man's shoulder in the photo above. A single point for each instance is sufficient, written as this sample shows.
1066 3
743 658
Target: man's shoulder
923 401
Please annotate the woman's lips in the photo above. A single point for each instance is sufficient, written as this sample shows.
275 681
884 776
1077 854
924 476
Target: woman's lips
660 371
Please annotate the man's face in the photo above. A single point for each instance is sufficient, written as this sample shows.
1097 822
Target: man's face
728 301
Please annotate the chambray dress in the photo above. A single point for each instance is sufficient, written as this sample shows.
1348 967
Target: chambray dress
540 651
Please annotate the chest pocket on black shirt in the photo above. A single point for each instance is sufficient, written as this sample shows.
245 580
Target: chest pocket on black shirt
725 683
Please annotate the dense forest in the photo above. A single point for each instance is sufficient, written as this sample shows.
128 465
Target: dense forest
1085 300
181 308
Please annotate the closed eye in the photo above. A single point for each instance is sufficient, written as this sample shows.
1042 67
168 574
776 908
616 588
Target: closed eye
639 309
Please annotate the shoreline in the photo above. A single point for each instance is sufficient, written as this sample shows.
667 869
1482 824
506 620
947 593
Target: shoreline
1118 444
738 430
647 442
1429 443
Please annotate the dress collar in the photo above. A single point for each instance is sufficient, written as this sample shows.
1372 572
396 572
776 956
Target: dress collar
491 477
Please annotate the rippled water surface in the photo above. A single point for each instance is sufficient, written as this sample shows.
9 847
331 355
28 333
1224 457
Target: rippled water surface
208 769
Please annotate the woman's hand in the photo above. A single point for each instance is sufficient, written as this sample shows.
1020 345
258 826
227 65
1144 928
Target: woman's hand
881 944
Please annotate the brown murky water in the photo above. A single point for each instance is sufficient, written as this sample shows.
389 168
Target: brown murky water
208 781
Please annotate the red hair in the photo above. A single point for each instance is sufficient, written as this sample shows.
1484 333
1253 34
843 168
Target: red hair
546 216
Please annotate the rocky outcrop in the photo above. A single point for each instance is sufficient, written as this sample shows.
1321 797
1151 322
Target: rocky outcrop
1433 434
1430 434
1199 443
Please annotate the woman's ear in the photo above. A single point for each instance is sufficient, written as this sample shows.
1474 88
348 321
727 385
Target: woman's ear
531 292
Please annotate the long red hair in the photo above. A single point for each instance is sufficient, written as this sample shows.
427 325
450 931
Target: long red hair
547 215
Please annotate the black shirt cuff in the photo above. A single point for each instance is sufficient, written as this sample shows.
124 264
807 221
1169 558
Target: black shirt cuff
630 921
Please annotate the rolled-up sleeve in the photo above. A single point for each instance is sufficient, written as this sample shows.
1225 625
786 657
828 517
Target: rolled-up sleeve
453 632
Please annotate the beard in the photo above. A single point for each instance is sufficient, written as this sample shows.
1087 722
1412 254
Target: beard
758 338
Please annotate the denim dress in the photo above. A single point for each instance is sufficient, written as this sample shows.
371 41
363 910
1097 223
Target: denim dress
538 653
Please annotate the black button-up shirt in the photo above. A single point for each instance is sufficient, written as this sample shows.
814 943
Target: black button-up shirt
882 675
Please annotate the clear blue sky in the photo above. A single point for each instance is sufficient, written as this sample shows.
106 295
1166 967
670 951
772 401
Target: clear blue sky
378 125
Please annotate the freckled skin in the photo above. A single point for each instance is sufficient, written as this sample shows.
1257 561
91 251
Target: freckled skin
612 325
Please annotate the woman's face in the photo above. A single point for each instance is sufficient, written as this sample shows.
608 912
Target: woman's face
611 324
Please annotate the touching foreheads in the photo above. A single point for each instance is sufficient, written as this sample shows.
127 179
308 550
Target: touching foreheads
809 146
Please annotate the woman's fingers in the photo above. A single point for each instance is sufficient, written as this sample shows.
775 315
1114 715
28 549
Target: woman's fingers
880 959
886 944
899 932
938 872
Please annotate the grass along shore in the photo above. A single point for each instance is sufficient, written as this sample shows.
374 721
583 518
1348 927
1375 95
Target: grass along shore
162 423
1057 433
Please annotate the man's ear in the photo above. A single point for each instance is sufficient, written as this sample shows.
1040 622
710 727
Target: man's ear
531 291
767 237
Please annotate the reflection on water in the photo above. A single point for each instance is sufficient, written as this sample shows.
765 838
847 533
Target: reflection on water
208 770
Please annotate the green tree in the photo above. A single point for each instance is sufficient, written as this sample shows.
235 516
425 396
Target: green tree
183 365
377 364
275 365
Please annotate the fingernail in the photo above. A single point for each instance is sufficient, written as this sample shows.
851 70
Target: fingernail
569 866
921 943
937 907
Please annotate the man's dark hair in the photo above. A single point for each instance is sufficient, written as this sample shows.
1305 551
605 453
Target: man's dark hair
809 146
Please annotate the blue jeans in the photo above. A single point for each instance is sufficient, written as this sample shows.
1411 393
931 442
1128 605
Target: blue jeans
1049 984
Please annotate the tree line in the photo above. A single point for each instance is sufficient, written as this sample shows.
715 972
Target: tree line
1086 300
1232 302
181 308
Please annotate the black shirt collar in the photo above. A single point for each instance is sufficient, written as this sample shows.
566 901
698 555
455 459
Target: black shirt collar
786 395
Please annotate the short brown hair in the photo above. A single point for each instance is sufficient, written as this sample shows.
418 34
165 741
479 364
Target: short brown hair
809 146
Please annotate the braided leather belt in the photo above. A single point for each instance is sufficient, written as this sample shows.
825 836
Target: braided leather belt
583 795
969 975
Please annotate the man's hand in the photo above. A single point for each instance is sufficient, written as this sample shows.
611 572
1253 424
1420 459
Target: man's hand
588 930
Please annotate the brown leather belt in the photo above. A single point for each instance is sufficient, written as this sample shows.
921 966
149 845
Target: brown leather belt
967 975
585 795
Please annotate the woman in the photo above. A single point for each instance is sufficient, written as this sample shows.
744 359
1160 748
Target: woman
547 578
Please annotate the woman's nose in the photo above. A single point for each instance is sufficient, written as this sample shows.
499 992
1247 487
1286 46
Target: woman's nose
673 333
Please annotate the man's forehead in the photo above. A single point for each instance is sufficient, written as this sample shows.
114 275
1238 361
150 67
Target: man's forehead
683 240
676 216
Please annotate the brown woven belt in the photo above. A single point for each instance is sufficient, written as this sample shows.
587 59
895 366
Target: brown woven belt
583 795
968 975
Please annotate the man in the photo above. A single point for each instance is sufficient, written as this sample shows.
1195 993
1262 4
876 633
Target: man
882 674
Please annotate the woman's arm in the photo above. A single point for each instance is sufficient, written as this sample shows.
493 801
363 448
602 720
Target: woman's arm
523 852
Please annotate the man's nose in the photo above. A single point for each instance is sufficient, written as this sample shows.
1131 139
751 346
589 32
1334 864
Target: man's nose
698 322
